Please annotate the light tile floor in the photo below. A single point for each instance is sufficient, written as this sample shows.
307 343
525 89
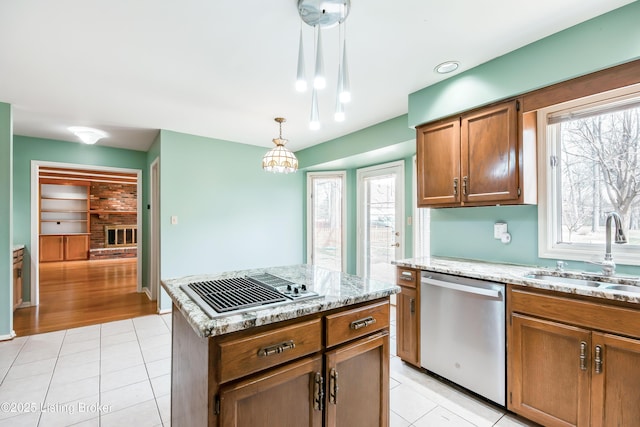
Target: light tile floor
118 374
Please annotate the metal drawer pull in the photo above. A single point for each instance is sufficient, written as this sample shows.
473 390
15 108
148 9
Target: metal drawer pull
333 386
277 348
455 186
357 324
583 356
465 180
406 275
598 360
318 392
412 305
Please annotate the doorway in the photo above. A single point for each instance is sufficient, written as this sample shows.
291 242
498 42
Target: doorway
106 287
380 211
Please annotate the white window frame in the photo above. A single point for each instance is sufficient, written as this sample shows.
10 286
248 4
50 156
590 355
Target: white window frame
421 220
342 175
547 246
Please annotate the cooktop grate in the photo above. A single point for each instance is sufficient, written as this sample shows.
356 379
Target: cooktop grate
225 295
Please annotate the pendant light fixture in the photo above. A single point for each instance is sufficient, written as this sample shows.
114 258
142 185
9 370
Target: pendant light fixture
280 159
301 80
321 15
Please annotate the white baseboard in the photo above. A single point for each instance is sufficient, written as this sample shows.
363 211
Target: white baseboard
164 311
148 292
7 337
25 304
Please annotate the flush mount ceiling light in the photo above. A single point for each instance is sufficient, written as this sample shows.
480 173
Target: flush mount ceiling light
87 135
280 159
323 14
447 67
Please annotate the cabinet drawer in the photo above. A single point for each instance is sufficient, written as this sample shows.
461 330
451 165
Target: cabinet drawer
251 354
350 324
407 277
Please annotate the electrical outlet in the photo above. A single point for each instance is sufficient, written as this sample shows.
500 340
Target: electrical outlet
174 220
499 228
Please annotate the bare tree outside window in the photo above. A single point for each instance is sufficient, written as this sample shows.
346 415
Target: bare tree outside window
599 161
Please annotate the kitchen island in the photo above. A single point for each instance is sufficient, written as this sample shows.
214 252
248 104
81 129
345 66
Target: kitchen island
321 361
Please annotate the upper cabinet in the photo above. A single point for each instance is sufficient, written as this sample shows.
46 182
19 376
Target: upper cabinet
484 157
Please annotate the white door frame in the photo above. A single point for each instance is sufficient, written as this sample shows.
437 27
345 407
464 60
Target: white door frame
342 175
35 197
154 231
361 174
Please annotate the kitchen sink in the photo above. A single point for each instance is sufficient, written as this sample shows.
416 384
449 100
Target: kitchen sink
566 280
625 288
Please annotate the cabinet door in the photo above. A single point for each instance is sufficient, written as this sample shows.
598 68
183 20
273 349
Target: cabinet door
17 284
438 163
549 375
489 143
51 248
355 397
615 374
76 247
407 322
286 397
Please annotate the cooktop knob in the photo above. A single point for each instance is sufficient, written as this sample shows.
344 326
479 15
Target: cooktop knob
303 287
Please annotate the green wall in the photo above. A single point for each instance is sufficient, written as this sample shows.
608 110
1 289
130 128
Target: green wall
27 149
231 214
602 42
6 221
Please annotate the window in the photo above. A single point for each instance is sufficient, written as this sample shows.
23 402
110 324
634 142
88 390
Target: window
589 167
326 219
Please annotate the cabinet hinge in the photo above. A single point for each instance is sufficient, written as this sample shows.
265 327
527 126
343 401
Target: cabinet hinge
216 405
517 105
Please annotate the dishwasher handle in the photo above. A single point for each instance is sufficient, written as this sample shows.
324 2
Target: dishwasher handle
494 293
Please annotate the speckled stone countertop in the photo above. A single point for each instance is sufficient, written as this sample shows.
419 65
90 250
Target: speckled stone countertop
515 274
18 247
336 290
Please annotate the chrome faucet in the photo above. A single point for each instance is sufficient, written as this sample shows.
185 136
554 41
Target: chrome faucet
608 266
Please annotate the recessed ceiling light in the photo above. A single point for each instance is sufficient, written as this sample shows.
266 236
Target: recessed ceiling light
87 135
447 67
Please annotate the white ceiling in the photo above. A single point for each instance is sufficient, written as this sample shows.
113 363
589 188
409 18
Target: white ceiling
225 68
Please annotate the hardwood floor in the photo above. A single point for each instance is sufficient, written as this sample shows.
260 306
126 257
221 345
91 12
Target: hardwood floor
81 293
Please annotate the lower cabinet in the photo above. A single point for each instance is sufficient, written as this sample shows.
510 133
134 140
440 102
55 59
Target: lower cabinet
18 256
357 377
326 369
408 316
564 370
288 396
70 247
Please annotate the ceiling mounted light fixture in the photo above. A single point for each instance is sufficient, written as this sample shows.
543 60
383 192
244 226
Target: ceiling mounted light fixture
447 67
280 159
87 135
323 14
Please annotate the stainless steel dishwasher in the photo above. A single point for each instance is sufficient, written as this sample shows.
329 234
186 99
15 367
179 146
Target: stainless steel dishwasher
462 332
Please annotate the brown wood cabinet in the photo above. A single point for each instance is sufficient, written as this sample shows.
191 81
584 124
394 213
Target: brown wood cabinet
573 362
484 157
18 260
72 247
408 315
323 369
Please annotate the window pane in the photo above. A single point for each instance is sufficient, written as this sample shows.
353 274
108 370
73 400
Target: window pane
598 172
327 222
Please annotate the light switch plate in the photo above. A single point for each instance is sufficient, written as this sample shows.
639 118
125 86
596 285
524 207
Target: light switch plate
174 220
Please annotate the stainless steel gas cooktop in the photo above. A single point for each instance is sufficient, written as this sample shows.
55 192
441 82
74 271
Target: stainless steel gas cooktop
240 294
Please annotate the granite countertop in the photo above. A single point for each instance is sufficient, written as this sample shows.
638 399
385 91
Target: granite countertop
515 274
336 290
18 247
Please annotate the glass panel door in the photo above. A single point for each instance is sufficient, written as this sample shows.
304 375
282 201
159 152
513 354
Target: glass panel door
380 219
326 219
